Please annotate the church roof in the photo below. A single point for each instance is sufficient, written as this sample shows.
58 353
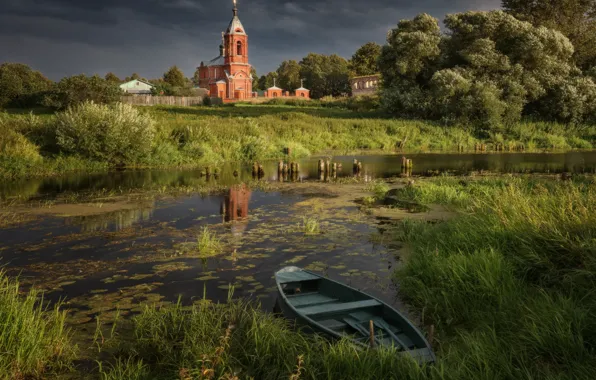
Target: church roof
234 26
217 61
302 89
274 88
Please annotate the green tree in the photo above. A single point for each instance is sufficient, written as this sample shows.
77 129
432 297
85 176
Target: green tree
576 19
134 76
289 75
365 60
111 77
196 77
325 75
20 86
175 77
77 89
255 78
266 81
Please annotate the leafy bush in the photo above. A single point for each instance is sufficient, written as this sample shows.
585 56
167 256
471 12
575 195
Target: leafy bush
14 146
118 134
78 89
20 86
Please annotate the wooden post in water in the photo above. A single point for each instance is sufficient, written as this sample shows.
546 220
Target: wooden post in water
334 170
296 170
404 162
359 167
261 171
280 169
321 167
355 168
371 326
255 170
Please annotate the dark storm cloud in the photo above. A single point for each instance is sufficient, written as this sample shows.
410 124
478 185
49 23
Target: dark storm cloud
65 37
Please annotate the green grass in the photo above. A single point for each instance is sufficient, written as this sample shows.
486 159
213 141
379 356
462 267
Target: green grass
214 341
197 136
310 225
208 243
33 339
509 282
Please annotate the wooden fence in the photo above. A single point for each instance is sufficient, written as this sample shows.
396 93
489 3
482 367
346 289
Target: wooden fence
149 100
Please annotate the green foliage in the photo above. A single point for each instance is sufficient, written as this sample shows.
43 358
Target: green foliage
266 81
310 225
208 244
378 188
576 19
118 134
325 75
288 75
111 77
20 86
234 339
487 72
78 89
255 78
365 60
174 77
33 339
511 276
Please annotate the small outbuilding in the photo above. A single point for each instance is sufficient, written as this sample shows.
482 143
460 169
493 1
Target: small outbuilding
137 87
302 93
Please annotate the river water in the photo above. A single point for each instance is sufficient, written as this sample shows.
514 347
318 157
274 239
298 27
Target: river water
145 252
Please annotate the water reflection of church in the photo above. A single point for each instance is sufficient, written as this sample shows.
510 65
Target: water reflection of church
234 208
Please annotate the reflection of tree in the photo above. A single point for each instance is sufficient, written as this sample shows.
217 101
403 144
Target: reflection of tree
119 219
235 207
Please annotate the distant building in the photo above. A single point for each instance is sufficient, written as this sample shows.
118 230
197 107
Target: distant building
365 85
137 87
302 93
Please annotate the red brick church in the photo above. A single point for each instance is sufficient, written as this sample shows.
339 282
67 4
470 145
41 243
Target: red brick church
228 75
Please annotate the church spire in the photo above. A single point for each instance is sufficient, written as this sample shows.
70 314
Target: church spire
235 10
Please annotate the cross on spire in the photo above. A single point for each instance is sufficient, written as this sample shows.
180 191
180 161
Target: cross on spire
235 10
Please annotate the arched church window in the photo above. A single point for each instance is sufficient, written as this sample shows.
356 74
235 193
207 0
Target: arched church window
239 48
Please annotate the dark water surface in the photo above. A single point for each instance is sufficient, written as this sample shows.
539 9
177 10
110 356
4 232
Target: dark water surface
118 260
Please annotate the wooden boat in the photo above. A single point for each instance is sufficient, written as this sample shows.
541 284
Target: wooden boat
337 310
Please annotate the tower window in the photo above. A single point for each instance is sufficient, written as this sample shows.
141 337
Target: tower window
239 48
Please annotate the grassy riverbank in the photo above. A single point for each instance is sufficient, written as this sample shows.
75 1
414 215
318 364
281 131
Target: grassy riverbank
509 282
94 140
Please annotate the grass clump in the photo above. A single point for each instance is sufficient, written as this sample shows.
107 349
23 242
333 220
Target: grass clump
509 281
310 225
234 340
378 188
208 243
33 339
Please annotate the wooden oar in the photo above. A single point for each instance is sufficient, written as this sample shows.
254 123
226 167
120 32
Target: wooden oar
381 323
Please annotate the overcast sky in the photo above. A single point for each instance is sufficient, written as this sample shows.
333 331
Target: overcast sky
67 37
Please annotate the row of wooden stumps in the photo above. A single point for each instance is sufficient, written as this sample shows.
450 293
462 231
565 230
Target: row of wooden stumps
328 170
406 167
371 326
257 171
288 172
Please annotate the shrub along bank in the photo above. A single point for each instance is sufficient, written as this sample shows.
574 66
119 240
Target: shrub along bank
509 282
95 137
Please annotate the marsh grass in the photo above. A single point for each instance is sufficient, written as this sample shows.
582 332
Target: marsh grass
33 338
310 225
509 282
379 188
208 243
235 340
199 136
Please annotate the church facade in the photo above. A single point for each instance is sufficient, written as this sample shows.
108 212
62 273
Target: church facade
228 76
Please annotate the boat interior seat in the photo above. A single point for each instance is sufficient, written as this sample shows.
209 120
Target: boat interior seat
339 307
310 299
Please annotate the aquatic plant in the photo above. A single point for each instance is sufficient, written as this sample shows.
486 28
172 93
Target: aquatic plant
33 338
208 243
310 225
511 276
378 188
